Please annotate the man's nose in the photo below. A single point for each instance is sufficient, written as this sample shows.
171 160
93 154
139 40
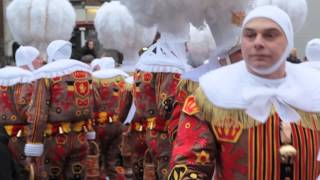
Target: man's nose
259 42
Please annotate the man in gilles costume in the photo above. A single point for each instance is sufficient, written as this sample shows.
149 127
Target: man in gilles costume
258 123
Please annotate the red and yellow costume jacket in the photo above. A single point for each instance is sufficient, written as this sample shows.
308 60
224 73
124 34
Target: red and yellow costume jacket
14 104
15 95
232 145
185 88
112 101
153 95
61 104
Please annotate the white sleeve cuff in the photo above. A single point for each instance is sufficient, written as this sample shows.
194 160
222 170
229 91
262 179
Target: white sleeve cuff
91 135
33 150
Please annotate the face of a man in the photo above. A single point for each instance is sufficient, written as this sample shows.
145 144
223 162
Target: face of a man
263 43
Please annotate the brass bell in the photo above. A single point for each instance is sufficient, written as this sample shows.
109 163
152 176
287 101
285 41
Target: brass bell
85 129
19 134
60 130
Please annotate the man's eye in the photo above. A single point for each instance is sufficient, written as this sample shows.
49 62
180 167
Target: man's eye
250 35
270 35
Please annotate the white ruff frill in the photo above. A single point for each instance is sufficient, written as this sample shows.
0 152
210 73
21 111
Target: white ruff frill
239 89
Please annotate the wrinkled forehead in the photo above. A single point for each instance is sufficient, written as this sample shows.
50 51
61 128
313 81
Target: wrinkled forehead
262 24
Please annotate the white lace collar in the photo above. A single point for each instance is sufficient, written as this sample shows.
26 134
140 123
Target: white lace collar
11 75
161 57
61 68
233 87
109 73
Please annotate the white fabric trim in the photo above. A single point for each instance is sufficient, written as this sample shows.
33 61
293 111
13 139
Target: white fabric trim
11 75
168 59
109 73
131 114
103 63
33 150
61 68
91 135
196 73
129 80
159 69
233 87
312 64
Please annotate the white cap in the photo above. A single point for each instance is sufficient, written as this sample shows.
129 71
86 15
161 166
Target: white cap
313 50
59 49
25 55
104 63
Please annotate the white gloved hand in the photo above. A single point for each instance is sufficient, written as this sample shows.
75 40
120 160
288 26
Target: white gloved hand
33 150
91 135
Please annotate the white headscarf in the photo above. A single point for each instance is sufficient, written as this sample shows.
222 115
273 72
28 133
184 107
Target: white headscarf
25 55
283 20
104 63
107 68
313 50
59 49
59 62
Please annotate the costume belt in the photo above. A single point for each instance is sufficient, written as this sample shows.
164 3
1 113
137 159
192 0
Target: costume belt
67 127
104 117
157 123
138 126
16 130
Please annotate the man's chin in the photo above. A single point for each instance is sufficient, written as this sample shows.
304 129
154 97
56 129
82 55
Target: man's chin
259 66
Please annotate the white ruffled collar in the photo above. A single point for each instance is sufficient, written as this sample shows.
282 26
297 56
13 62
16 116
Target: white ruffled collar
11 75
159 58
312 64
61 68
233 87
109 73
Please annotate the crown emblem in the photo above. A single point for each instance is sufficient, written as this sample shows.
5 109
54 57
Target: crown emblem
228 131
190 106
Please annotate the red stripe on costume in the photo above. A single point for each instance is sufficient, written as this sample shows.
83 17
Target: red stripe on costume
37 113
303 149
260 165
310 153
297 161
316 146
251 154
268 149
276 147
